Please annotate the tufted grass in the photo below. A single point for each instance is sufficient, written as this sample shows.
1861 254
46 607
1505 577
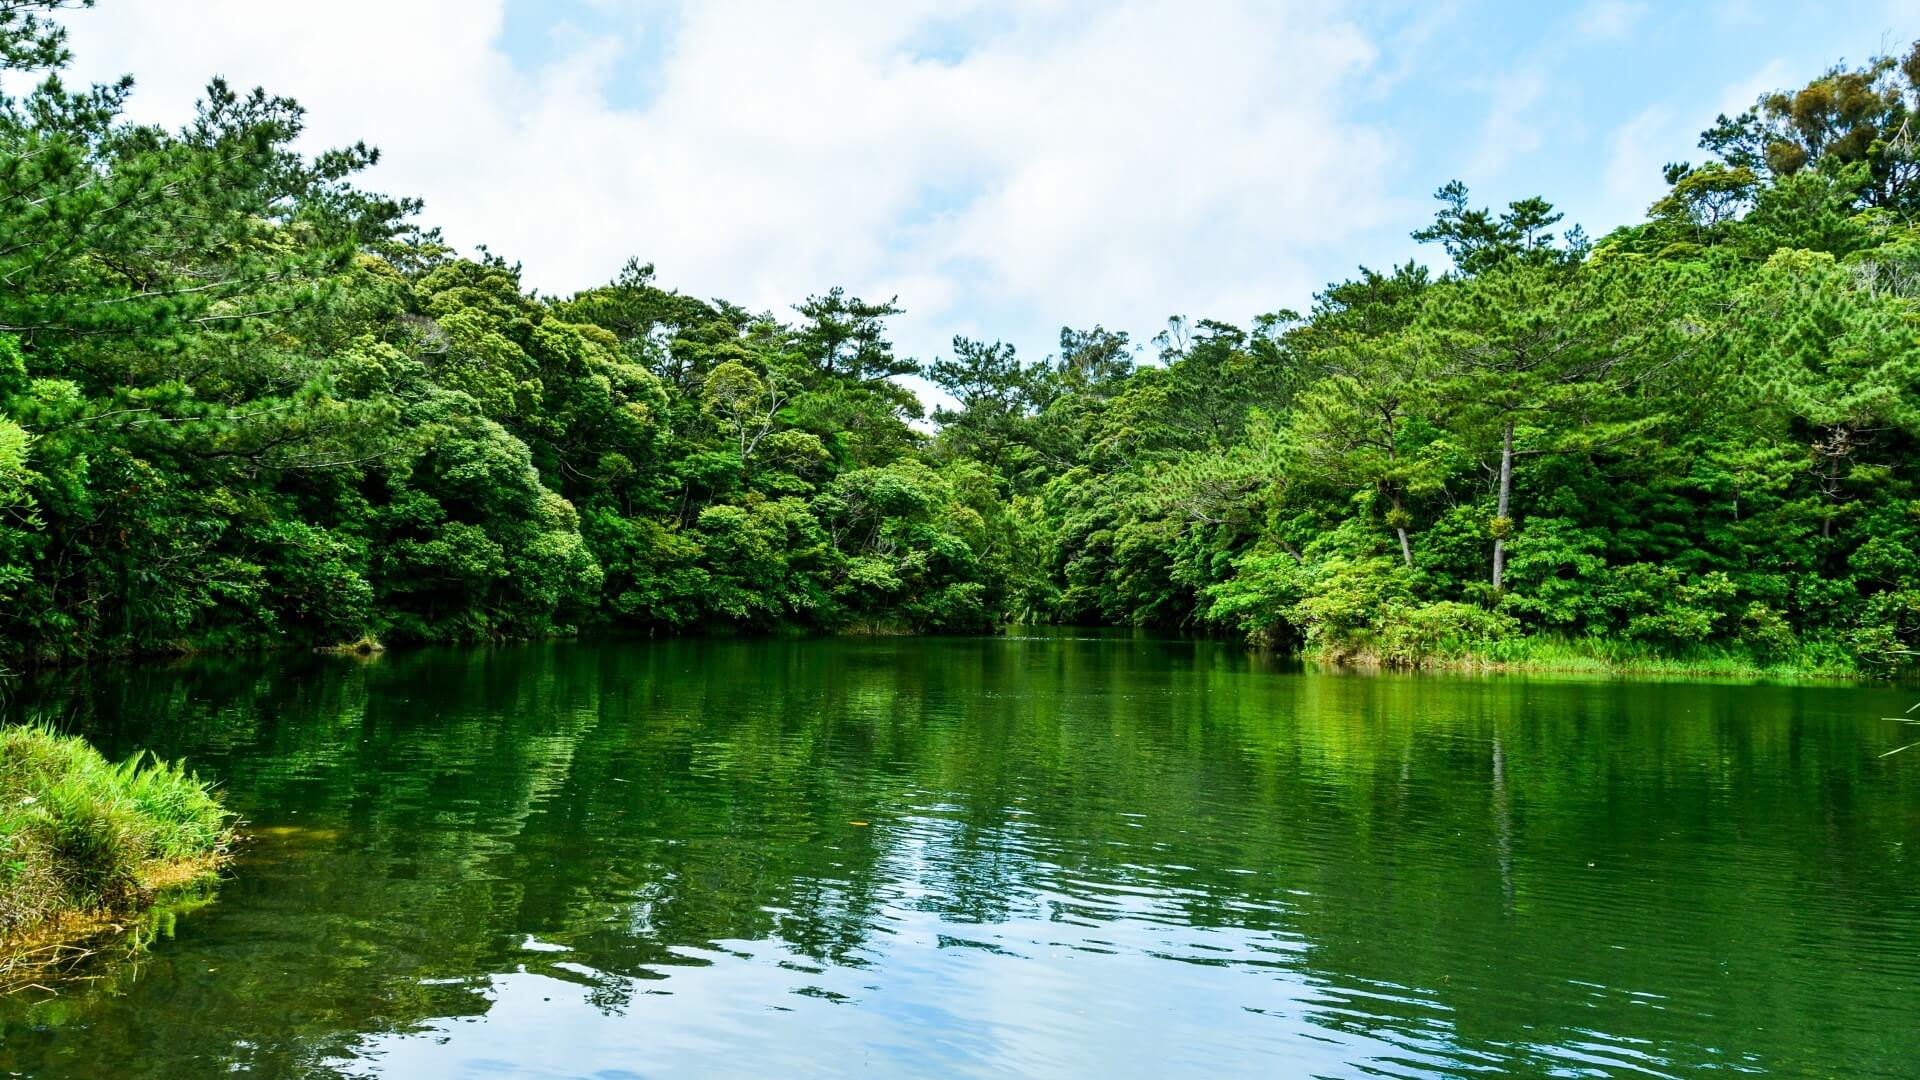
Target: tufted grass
80 835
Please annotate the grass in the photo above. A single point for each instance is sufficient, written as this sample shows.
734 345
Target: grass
1594 655
366 645
83 839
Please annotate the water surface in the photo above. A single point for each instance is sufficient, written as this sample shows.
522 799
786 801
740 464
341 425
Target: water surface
1041 855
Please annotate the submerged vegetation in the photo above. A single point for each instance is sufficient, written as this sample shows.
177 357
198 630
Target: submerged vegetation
80 836
244 403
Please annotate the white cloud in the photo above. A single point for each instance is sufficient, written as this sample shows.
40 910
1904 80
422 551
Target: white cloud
1736 12
1636 152
1666 132
1068 163
1609 19
1777 74
1511 130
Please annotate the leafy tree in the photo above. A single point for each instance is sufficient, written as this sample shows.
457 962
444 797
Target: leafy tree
1834 346
245 403
1538 359
1845 116
994 393
1477 241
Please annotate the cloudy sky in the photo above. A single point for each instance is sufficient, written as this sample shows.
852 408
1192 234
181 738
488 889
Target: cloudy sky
1004 168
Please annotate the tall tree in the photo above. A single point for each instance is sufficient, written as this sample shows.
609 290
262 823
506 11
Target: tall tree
994 392
1541 358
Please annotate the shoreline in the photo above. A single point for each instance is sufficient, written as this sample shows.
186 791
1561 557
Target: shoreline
1472 665
52 947
1558 656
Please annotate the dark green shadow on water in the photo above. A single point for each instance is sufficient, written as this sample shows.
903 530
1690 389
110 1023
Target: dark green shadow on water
1042 854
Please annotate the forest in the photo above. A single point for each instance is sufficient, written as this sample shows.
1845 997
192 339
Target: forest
247 403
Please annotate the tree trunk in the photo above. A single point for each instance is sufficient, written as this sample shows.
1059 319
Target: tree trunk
1506 500
1393 493
1406 545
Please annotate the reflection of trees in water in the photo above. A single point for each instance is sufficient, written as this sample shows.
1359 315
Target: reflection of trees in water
635 807
1502 824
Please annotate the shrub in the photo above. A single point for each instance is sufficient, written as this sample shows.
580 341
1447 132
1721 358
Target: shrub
1446 630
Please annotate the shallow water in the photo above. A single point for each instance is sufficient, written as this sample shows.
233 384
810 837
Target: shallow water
1041 855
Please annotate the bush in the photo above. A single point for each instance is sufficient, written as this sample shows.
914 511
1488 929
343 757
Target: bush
1446 630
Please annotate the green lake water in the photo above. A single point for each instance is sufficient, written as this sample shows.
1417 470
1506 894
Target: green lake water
1048 854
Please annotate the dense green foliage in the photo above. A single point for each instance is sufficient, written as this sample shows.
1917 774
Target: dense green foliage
243 402
78 833
1691 443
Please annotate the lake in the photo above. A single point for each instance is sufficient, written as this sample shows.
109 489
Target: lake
1052 853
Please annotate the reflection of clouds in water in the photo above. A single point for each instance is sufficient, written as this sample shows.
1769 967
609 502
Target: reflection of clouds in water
929 1007
1113 855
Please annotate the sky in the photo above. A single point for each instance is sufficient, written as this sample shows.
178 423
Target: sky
1003 167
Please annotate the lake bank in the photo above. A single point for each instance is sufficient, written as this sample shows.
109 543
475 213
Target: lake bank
86 843
1542 654
1601 657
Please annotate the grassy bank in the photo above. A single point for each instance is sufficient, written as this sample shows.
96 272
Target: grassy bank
82 838
1598 656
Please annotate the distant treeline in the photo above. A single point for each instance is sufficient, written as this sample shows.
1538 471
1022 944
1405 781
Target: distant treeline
244 403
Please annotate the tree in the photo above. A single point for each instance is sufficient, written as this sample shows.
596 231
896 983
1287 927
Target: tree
994 393
1373 379
844 336
1353 422
1834 346
1845 116
1540 357
244 403
744 403
1477 241
1093 361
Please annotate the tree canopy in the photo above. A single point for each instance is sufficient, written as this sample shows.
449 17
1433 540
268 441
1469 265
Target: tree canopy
245 402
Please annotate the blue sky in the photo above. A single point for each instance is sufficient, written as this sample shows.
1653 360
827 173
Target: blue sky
1004 167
